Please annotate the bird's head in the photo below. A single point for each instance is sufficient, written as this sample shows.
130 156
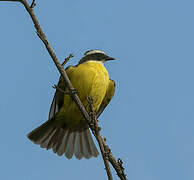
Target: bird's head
95 55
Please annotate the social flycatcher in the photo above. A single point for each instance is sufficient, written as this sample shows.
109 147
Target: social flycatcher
66 131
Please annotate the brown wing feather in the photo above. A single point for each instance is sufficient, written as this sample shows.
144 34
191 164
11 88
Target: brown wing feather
58 98
109 94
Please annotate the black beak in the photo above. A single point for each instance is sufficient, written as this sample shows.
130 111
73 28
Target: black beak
109 58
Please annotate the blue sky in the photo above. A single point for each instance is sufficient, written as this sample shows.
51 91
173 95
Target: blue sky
150 121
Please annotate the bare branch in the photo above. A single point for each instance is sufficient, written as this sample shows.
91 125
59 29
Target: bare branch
104 148
42 36
118 165
95 130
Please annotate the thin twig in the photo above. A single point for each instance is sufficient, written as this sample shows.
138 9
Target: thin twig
120 162
29 8
33 4
67 59
58 88
63 91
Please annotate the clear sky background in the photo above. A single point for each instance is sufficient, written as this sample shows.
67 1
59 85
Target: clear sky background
150 121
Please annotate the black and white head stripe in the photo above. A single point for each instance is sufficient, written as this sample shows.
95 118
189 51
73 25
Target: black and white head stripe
95 55
94 51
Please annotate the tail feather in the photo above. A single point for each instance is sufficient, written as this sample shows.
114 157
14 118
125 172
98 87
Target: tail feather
53 140
58 140
78 147
45 141
69 143
86 151
38 134
61 150
94 151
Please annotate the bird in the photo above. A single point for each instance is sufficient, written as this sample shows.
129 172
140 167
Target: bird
66 131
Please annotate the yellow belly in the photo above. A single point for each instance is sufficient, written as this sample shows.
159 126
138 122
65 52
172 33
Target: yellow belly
89 79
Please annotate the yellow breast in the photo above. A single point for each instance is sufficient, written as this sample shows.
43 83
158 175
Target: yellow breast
89 79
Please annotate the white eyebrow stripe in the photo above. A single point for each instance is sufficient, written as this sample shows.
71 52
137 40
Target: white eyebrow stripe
100 62
94 52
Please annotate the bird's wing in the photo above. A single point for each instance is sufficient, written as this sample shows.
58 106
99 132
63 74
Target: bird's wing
58 98
109 94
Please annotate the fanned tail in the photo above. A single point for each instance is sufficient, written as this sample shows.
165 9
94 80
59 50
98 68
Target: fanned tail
64 141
